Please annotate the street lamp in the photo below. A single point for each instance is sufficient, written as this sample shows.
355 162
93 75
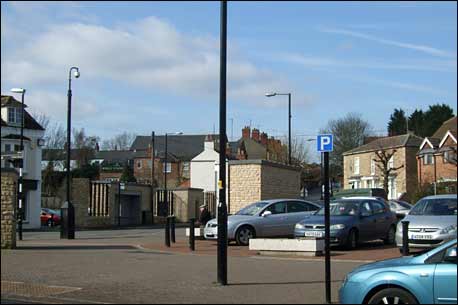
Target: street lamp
271 94
169 212
67 228
21 168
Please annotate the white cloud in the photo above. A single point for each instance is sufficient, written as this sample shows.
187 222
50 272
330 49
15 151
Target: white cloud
422 48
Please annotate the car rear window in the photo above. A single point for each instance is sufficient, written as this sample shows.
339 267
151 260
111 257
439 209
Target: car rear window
435 206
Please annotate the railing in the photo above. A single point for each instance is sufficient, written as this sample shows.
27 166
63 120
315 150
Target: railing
99 194
210 201
161 207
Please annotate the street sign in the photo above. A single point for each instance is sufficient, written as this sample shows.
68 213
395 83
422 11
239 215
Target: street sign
324 143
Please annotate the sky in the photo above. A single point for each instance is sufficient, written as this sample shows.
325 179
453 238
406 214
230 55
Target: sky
154 66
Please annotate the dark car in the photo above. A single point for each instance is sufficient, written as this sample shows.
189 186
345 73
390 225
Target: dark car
49 217
353 220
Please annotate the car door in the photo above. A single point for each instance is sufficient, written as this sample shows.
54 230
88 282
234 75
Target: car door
366 222
382 219
296 211
445 282
274 224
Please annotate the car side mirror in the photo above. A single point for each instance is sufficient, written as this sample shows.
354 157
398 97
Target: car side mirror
450 256
266 213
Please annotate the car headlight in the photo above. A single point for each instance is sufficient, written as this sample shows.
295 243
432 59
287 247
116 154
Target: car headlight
299 226
448 229
337 227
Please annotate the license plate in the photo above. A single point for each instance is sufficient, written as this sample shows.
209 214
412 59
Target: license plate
422 237
314 234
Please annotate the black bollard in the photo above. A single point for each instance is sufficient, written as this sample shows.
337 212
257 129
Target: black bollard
172 228
167 232
405 238
191 234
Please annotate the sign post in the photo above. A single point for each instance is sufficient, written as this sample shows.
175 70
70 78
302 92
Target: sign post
324 146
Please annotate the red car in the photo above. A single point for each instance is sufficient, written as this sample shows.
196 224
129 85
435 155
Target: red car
50 217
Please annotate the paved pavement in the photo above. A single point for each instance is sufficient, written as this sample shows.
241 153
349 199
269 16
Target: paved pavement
112 267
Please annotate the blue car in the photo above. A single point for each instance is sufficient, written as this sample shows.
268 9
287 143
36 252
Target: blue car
428 278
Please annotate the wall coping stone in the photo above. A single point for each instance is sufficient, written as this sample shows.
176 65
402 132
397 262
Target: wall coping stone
264 162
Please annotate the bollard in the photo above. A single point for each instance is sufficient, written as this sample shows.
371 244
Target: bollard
172 228
405 238
191 234
167 232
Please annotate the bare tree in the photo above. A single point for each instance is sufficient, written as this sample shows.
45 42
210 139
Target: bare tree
84 146
55 137
299 152
121 141
383 163
42 119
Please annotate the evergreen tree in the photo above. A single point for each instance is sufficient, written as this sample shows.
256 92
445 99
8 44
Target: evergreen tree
398 123
128 174
416 123
435 116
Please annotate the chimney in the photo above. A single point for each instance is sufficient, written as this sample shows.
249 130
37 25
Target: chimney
264 139
255 135
208 143
97 148
246 132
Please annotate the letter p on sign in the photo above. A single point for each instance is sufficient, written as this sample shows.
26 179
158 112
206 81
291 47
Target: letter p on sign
324 143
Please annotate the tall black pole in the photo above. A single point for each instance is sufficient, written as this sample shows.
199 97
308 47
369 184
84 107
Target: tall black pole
152 176
222 208
167 223
327 228
21 171
289 128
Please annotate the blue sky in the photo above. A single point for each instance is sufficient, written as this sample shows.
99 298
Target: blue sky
154 65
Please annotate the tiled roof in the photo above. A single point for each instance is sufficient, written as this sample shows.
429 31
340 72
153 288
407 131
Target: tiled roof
406 140
29 121
113 156
446 126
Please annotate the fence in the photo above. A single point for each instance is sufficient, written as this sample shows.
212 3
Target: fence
99 205
210 201
161 207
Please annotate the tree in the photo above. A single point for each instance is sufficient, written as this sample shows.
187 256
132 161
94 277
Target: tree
121 141
128 174
383 162
42 119
84 147
435 116
349 132
398 123
417 123
55 137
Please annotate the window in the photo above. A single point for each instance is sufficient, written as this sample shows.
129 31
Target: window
14 115
372 167
391 162
169 168
356 167
366 209
8 148
277 208
428 159
150 163
296 207
186 167
377 207
449 156
139 164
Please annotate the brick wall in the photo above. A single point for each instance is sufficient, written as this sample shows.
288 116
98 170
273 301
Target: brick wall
254 180
8 220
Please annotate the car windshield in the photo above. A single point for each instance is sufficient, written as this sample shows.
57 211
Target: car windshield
435 206
342 208
252 209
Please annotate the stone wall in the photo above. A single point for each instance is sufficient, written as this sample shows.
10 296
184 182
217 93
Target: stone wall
8 197
254 180
187 202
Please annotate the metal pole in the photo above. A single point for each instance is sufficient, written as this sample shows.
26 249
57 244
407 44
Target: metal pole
191 234
289 128
152 176
119 204
167 232
172 229
405 237
21 171
222 209
167 224
327 228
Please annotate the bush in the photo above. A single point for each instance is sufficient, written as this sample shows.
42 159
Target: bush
428 190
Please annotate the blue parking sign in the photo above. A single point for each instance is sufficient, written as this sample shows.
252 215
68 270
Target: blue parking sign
324 143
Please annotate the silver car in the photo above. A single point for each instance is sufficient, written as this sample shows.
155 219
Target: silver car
267 218
401 208
432 222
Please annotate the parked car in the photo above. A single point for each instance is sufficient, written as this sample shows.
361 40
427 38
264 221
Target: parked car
49 217
401 208
432 222
267 218
353 220
429 278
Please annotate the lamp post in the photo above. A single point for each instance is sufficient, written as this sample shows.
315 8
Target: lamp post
167 233
21 167
152 176
289 120
68 223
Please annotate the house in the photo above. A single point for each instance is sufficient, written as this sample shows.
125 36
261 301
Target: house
11 118
436 159
361 171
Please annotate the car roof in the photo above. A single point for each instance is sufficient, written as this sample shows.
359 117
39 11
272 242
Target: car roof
270 201
360 197
448 196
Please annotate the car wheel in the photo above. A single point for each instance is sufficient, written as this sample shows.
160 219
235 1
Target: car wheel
392 296
390 238
352 240
243 235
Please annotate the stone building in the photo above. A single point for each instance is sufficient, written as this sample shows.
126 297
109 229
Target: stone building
361 171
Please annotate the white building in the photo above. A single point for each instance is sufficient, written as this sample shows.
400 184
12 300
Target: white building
33 141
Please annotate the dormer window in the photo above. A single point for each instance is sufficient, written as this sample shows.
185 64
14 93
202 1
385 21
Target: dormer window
14 116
